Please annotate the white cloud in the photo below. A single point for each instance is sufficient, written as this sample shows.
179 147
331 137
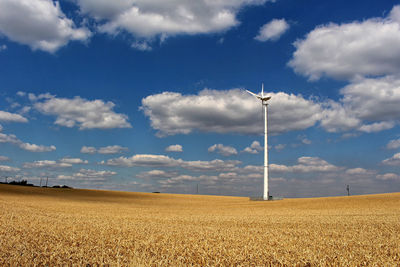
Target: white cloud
174 148
4 158
83 113
5 168
21 93
223 150
144 160
156 174
377 126
62 163
3 47
370 47
360 171
306 141
32 97
88 150
112 149
254 148
36 148
213 165
373 99
116 149
12 139
273 30
148 160
368 105
148 19
142 46
11 117
337 118
88 175
181 179
40 24
280 147
25 109
73 161
388 176
9 138
393 144
226 112
46 164
306 164
393 161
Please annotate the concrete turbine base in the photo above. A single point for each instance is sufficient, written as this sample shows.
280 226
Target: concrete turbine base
270 198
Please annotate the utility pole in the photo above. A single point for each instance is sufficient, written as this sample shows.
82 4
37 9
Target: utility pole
40 182
47 180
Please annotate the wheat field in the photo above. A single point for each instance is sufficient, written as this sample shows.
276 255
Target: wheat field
50 227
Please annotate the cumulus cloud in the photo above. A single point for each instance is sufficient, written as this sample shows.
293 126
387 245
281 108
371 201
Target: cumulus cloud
367 105
388 176
142 46
157 161
226 112
367 48
36 148
273 30
85 114
116 149
12 139
254 148
40 24
179 180
377 126
148 19
360 171
46 164
156 174
393 161
280 147
223 150
61 163
306 164
11 117
144 160
174 148
5 168
4 158
88 175
73 161
9 138
393 144
112 149
88 150
373 99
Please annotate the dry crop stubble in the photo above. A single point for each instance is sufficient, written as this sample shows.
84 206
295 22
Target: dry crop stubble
42 226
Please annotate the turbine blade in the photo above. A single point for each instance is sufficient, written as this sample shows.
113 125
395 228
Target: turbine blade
259 97
262 90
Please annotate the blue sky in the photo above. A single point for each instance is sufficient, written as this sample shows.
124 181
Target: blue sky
150 96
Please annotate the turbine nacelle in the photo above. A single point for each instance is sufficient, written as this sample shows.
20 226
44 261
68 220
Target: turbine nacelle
261 97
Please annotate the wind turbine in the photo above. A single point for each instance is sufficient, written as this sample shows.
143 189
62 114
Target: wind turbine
264 103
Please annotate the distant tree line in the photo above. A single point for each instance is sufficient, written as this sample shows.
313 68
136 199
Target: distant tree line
25 183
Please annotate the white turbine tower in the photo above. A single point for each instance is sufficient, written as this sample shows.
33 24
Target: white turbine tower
264 103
